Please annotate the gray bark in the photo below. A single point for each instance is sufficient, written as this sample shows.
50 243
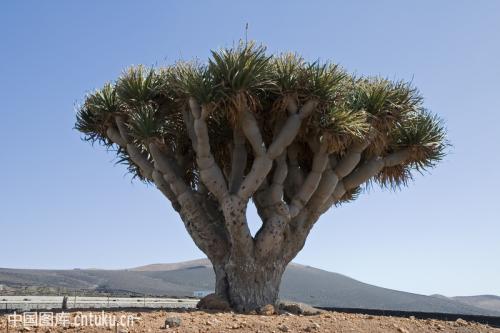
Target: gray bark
249 284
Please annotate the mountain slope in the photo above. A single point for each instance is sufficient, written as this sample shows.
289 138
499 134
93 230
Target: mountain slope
300 283
173 266
488 302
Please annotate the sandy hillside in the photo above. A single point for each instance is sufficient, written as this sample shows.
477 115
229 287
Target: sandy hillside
198 321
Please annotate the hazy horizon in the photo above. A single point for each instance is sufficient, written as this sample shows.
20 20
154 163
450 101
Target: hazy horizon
197 259
64 204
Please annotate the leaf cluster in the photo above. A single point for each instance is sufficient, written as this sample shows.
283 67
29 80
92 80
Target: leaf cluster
153 104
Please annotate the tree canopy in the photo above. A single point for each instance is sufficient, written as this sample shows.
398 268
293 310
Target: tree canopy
349 109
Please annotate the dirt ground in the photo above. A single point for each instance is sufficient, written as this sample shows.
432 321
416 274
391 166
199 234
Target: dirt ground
199 321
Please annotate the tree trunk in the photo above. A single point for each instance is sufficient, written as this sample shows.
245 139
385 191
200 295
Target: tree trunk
247 283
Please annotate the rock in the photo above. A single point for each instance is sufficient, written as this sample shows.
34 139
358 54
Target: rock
283 328
403 330
461 322
300 309
312 327
172 322
266 310
213 302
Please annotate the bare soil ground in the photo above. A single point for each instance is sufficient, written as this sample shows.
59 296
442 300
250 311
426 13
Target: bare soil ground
200 321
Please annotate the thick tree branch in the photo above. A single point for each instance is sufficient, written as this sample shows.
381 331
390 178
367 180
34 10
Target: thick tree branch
238 160
164 164
164 187
373 167
275 192
204 228
331 190
336 171
274 212
351 159
291 127
363 173
187 116
296 236
210 172
263 157
136 155
122 128
234 209
115 137
259 198
295 177
207 236
311 183
261 164
269 238
325 189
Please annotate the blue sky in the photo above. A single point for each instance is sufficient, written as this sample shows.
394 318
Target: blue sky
64 204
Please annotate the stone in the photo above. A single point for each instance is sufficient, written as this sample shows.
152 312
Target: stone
213 302
266 310
312 327
300 309
283 328
461 322
172 322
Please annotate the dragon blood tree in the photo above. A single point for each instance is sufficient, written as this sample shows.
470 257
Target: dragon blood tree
295 137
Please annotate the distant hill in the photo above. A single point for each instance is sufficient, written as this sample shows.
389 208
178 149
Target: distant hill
300 283
487 302
173 266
